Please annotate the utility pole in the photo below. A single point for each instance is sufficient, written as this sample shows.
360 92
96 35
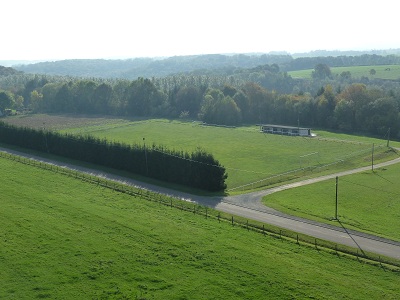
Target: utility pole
336 207
145 155
373 146
298 123
388 134
45 137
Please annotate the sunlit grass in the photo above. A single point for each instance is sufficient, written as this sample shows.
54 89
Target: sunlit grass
247 154
61 238
382 72
367 201
252 159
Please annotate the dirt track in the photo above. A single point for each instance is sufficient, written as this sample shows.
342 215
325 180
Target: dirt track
250 206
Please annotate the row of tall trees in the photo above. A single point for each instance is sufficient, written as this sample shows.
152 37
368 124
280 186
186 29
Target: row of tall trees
198 169
342 105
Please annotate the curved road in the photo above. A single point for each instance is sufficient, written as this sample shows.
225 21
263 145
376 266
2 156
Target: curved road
249 206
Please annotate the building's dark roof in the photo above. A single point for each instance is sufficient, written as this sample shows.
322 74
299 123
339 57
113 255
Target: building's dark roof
286 127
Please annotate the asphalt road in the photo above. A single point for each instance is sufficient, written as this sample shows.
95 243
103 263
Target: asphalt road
249 206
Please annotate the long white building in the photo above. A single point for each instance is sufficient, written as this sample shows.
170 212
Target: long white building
285 130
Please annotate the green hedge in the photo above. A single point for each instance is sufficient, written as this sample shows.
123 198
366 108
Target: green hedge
198 169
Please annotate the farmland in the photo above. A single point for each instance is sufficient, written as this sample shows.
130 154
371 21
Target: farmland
367 201
63 238
248 155
264 156
391 72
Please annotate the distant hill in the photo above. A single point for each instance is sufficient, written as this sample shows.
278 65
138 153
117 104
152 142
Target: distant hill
334 53
206 64
6 71
150 67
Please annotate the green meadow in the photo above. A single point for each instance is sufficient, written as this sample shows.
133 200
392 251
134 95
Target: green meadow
367 201
248 155
382 72
62 238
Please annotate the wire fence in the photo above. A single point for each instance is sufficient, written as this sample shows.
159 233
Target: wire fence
301 172
209 213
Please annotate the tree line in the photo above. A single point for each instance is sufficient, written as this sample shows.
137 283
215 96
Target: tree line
198 169
339 104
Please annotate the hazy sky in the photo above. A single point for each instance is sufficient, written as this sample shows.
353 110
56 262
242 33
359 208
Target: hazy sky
64 29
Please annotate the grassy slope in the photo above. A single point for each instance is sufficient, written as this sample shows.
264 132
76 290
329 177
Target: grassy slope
356 72
367 201
62 238
247 154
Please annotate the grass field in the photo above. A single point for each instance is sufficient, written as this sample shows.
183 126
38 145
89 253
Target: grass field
61 238
367 201
382 72
248 155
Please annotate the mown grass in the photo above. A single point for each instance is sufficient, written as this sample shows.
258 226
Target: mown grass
367 201
67 239
356 72
252 159
248 155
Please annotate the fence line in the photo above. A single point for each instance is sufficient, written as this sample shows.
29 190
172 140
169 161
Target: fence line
295 172
200 210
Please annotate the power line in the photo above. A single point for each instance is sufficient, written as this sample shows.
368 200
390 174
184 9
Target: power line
371 188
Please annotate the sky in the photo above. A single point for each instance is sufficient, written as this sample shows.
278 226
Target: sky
78 29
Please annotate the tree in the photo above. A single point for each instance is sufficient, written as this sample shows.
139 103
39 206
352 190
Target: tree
143 98
218 109
83 91
229 90
378 116
64 99
356 96
36 101
242 101
321 71
345 75
101 99
6 100
49 92
344 115
18 102
228 111
188 99
260 102
325 105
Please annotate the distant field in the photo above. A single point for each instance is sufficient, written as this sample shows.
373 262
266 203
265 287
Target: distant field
61 238
367 201
357 72
248 155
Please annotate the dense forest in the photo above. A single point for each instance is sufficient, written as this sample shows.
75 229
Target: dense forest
229 95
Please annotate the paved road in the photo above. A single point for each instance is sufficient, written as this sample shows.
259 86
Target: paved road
249 206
